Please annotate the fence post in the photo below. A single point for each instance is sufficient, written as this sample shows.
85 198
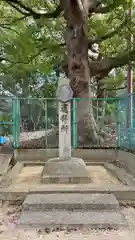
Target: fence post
118 125
16 122
75 124
46 123
13 122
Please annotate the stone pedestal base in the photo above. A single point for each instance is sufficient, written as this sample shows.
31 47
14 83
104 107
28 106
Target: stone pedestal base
65 171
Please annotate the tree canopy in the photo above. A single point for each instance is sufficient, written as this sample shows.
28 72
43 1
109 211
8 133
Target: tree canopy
33 39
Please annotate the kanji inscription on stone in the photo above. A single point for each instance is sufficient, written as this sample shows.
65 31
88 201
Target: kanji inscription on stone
64 94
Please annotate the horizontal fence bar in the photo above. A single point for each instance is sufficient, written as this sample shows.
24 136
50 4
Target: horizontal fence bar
31 98
77 99
56 99
6 123
41 98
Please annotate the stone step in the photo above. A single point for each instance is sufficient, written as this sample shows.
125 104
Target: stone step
73 219
70 201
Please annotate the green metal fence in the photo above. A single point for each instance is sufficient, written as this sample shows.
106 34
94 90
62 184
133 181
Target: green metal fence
38 123
34 123
126 122
96 123
10 119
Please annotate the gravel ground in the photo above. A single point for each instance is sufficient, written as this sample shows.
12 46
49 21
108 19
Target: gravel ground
9 229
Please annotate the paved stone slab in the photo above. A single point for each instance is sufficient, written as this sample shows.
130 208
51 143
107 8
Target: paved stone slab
70 201
90 219
5 159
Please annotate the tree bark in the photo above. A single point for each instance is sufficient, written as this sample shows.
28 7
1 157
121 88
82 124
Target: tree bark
78 68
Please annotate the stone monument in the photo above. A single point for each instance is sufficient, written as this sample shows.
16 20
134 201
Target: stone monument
65 169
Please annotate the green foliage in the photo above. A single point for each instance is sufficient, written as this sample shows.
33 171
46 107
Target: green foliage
33 46
115 84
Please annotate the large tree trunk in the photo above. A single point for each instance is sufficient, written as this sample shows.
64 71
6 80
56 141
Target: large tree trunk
79 71
78 68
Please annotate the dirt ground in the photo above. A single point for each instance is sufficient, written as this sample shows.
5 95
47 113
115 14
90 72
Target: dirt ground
10 230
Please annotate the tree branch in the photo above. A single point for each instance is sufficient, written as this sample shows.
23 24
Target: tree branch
14 21
94 6
18 8
114 89
54 14
26 62
4 59
108 8
27 11
20 62
20 5
108 35
100 69
104 66
9 28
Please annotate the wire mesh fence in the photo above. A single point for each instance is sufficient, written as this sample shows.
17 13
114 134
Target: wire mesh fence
126 123
38 123
96 123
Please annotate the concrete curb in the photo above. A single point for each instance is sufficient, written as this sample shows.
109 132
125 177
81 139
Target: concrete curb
42 155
